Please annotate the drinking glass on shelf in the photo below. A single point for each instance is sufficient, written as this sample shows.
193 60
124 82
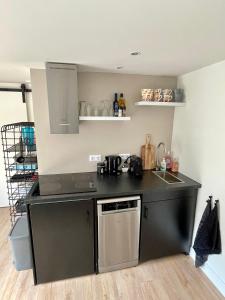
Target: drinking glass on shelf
89 109
96 111
104 107
109 106
83 108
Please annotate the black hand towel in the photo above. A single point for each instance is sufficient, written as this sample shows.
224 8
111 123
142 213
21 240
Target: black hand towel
208 240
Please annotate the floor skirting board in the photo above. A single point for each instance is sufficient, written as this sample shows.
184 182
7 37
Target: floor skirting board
212 275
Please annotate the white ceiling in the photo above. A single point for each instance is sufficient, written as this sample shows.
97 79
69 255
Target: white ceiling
174 36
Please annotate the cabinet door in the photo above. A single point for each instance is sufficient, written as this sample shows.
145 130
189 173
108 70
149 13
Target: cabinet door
167 227
62 98
63 239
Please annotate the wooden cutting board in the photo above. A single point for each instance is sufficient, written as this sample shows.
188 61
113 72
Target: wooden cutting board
148 154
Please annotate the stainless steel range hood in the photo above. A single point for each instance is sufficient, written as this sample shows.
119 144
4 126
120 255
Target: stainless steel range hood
62 98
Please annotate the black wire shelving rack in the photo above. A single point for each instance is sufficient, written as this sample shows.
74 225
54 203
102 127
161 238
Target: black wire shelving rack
21 168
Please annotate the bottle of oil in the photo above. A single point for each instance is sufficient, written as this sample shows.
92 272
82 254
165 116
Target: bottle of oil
122 105
115 106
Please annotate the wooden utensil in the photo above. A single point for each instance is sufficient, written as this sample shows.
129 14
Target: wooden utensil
148 154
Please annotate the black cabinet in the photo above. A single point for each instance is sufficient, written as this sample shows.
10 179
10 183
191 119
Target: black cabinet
63 239
167 226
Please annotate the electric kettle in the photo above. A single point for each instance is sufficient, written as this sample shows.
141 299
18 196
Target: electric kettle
112 164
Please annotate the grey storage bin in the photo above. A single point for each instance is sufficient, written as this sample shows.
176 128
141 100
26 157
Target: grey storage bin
20 244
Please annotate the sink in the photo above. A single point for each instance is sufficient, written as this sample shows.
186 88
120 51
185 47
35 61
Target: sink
167 177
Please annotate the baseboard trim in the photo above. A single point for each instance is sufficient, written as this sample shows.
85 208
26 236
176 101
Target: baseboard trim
212 275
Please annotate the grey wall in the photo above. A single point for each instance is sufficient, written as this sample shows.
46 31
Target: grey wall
69 153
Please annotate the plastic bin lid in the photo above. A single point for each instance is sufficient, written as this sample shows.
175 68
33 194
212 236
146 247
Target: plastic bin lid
20 228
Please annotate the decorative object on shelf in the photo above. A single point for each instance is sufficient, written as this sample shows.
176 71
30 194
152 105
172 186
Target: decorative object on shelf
158 95
162 95
147 94
20 158
167 95
178 95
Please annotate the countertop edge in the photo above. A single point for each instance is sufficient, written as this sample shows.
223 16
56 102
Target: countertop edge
187 185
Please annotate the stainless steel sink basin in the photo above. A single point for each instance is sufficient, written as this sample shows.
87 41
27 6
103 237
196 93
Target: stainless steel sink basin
167 177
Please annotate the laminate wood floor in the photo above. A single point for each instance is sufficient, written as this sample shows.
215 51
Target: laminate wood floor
169 278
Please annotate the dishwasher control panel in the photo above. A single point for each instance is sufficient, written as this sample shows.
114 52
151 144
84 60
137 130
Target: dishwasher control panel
119 205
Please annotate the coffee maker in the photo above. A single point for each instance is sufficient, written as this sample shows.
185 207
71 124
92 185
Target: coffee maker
112 164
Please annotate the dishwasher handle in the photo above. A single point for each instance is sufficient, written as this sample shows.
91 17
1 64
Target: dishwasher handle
119 199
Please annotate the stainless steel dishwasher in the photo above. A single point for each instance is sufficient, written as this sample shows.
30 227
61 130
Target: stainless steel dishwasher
118 233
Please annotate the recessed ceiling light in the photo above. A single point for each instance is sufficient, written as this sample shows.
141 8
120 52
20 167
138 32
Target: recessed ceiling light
135 53
119 67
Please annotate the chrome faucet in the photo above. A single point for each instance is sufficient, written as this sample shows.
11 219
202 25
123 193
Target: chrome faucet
158 162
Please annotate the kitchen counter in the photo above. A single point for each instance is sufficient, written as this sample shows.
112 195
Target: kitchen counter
64 228
113 186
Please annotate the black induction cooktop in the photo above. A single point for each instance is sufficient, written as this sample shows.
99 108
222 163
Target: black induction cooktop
66 184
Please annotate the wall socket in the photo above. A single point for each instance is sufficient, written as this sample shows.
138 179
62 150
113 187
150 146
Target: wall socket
124 156
95 157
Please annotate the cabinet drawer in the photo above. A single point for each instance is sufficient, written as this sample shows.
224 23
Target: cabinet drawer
168 194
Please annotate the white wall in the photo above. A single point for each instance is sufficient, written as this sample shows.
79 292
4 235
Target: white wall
199 141
69 153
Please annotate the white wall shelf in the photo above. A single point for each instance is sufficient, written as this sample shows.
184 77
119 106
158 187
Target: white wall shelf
103 118
163 104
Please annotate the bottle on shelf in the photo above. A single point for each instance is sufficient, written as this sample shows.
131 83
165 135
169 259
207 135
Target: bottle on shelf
115 106
122 105
124 109
120 102
120 112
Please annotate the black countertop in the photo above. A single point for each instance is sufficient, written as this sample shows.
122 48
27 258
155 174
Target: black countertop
114 186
